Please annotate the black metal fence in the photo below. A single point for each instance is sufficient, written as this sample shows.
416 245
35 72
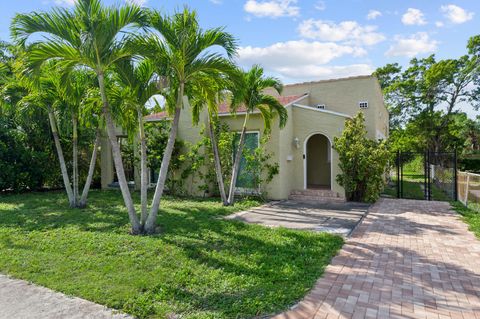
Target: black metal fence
428 176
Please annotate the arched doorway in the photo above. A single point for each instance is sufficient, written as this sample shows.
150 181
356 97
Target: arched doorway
318 162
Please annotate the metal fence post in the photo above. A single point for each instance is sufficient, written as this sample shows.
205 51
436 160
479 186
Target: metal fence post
429 178
466 189
401 176
455 190
398 173
425 173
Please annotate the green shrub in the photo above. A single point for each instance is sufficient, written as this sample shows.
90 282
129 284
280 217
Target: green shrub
363 162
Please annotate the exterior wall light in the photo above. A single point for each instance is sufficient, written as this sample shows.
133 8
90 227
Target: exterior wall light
296 142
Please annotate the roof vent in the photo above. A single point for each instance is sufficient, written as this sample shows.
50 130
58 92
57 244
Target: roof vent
320 106
363 104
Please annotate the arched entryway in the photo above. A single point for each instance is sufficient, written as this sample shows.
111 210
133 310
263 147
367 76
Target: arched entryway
318 162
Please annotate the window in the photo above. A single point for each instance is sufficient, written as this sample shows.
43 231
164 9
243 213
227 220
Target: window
363 104
246 178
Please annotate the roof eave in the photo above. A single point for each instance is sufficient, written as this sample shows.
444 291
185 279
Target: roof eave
311 108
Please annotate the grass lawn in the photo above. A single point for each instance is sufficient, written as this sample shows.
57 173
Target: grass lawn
200 266
413 188
470 216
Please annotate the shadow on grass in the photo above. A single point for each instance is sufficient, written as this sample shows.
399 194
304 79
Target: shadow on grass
200 265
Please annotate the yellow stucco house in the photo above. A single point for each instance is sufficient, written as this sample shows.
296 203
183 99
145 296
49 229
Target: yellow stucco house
303 148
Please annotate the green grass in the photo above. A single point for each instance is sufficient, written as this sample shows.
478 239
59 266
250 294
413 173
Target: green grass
413 188
470 216
200 266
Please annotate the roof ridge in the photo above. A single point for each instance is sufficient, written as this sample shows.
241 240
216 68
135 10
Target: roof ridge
332 80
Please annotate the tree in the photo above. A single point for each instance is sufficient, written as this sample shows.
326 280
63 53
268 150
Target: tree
184 55
136 82
63 99
429 93
42 92
248 91
209 94
90 36
362 161
25 132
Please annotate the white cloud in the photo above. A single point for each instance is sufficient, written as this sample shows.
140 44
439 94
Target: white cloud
216 1
318 72
137 2
373 14
272 8
456 14
439 24
64 3
418 43
320 5
297 53
413 17
346 31
303 59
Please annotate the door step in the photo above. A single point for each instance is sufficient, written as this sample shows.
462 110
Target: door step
318 195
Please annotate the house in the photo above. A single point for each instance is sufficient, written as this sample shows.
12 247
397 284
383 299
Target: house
303 148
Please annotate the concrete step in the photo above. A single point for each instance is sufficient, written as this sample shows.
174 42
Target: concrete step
315 192
318 195
319 199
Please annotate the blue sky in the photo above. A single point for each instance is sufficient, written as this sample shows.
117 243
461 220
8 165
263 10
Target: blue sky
304 40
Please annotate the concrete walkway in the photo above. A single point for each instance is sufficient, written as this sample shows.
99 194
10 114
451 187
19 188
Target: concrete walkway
407 259
335 218
22 300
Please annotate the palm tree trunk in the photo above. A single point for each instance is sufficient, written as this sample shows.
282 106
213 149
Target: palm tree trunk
61 159
162 176
117 158
75 160
143 168
91 170
218 164
236 163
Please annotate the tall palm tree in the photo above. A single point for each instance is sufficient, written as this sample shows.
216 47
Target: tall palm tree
249 91
136 82
62 102
41 92
91 36
184 54
208 93
76 86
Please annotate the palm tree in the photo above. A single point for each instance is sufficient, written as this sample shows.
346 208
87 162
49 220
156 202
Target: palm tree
209 93
41 92
76 86
184 55
136 82
248 91
91 36
48 91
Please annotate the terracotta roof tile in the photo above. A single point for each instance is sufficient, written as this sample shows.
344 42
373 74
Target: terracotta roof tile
224 108
155 116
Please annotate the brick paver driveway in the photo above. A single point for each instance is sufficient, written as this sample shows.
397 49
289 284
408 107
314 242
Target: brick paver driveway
408 259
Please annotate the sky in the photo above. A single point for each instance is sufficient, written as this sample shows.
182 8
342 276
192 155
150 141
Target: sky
307 40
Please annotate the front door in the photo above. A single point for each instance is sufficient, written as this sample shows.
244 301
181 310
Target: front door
318 162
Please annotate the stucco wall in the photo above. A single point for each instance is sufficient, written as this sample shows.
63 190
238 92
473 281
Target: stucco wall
307 123
288 145
343 95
